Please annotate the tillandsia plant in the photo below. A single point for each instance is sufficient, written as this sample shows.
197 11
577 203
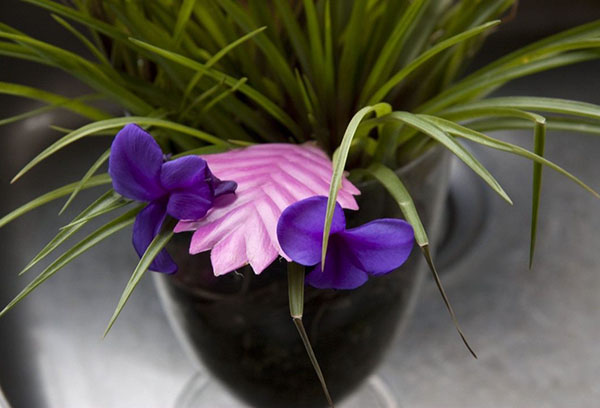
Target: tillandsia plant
283 97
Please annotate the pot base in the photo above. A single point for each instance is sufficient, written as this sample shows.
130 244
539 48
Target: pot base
202 392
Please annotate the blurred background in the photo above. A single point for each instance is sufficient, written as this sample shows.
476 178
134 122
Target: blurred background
536 332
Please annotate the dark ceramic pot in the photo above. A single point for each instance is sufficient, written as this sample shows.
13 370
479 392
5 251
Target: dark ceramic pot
239 325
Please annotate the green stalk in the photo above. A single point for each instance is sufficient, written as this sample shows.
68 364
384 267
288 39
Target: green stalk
296 296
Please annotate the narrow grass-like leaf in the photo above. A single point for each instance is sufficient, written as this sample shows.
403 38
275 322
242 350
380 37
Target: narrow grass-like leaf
540 104
456 148
91 171
577 125
53 195
216 58
477 112
115 123
82 246
107 200
26 115
426 56
296 298
296 289
296 35
480 138
84 40
394 44
339 163
20 52
101 78
539 143
348 63
122 202
81 17
476 87
75 105
250 92
202 150
224 95
157 245
185 12
277 61
392 183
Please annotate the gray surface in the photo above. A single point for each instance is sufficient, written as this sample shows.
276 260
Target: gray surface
536 331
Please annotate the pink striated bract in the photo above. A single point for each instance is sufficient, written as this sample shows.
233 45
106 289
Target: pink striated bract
242 229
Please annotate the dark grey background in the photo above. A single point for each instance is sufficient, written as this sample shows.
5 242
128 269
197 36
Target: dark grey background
536 331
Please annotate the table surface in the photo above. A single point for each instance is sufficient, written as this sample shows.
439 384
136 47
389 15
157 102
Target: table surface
536 332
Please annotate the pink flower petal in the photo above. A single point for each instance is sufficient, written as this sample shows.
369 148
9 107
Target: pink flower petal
270 177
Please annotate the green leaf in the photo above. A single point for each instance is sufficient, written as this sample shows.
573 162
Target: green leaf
74 105
157 245
392 183
115 123
554 105
426 56
392 48
430 129
477 137
104 79
251 93
202 151
107 200
296 289
92 170
539 143
88 242
87 43
339 163
578 125
294 31
477 86
347 81
224 95
216 58
122 202
277 61
81 17
53 195
183 17
296 297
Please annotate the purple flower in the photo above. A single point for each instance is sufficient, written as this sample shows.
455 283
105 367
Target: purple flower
375 248
183 188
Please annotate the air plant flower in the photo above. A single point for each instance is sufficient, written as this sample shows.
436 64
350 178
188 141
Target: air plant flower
270 178
375 248
183 188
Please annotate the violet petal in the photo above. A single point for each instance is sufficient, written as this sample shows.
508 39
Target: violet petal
185 172
300 229
380 246
340 272
134 164
147 225
190 204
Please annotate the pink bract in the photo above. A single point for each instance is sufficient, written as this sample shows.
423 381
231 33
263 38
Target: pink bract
242 229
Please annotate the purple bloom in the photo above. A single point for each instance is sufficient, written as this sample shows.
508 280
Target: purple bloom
375 248
183 188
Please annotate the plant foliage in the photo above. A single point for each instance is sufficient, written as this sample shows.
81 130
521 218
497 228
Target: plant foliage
209 75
